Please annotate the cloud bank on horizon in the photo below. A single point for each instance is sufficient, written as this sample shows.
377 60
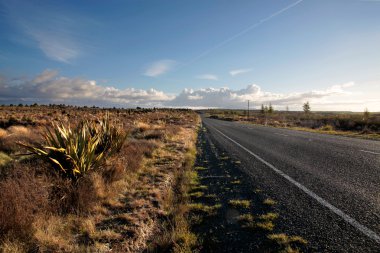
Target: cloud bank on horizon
50 87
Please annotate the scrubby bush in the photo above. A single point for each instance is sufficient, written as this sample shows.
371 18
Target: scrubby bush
22 196
78 198
327 128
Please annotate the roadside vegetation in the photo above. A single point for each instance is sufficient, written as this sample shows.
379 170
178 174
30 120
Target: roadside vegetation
355 124
77 179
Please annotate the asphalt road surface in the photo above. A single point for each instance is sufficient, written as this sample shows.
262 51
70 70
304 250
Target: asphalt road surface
327 187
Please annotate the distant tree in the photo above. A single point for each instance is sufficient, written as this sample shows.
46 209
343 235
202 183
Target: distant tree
287 108
20 105
266 109
366 115
270 109
262 110
306 107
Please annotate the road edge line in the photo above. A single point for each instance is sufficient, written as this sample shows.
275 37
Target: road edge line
365 230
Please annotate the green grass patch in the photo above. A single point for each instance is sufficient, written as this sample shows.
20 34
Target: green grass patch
210 210
4 159
192 176
246 218
240 203
199 188
283 239
269 202
265 225
196 194
211 196
268 216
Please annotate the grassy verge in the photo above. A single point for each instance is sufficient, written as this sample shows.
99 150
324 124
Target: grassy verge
175 232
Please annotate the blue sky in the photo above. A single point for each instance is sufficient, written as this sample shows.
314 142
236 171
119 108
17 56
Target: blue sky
192 53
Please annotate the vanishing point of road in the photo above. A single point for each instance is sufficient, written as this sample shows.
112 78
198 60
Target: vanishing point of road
327 187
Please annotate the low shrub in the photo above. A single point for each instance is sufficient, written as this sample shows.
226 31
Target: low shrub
22 196
78 198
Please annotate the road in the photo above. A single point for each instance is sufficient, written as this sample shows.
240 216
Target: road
327 187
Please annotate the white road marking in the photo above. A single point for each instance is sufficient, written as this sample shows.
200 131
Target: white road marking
366 231
281 134
366 151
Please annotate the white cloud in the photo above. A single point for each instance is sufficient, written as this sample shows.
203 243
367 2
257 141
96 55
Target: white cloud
236 72
49 87
57 47
46 75
159 68
229 98
208 77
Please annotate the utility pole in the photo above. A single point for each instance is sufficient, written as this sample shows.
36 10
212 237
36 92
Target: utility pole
248 112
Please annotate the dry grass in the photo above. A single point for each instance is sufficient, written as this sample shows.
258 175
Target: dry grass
118 207
18 130
13 246
3 133
22 195
175 232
